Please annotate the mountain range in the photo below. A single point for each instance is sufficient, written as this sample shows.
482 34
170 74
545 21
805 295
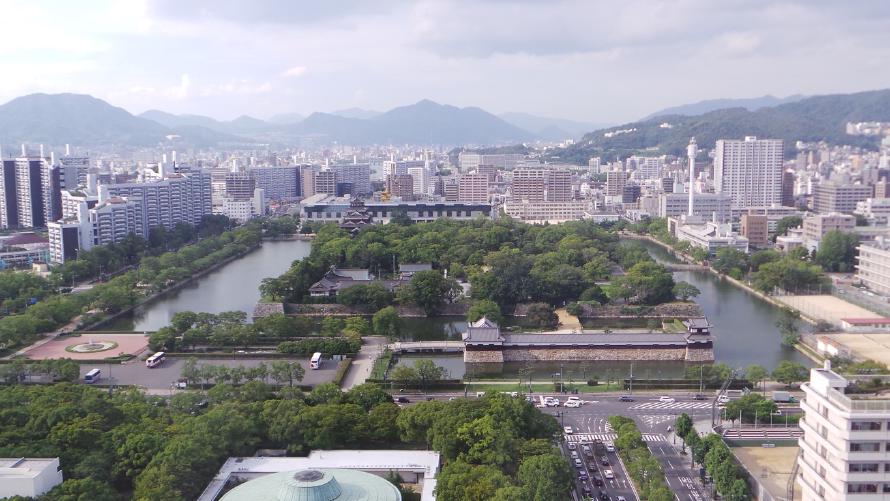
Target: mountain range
818 118
702 107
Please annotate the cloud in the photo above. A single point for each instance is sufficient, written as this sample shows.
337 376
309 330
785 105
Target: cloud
296 71
180 91
269 11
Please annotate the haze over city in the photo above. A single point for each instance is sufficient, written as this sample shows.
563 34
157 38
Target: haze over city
599 62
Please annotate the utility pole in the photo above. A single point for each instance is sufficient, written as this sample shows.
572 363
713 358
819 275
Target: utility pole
631 378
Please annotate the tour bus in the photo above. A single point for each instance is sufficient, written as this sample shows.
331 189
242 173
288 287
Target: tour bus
156 359
315 363
92 376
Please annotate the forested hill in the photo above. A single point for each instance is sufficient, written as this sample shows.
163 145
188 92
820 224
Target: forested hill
819 118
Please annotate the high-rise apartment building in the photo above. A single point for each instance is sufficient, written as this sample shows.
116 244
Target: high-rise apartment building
528 184
646 167
558 183
420 178
30 192
278 182
401 185
843 453
749 171
181 198
240 185
788 188
473 188
357 175
73 171
755 227
873 268
307 181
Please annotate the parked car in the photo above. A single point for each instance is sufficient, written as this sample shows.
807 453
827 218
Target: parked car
620 498
403 400
572 404
723 399
574 454
568 430
699 396
603 496
666 399
608 474
625 398
582 475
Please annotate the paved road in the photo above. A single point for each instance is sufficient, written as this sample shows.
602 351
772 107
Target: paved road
162 377
361 366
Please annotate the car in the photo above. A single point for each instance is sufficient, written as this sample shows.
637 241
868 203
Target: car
608 474
579 464
181 384
699 396
597 481
572 404
723 399
604 461
403 400
625 398
603 496
572 446
568 430
621 498
552 402
582 475
610 448
666 399
574 399
574 454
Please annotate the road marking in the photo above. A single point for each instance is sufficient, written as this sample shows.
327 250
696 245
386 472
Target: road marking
651 437
671 405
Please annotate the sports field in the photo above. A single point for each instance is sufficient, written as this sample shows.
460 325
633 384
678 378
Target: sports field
874 346
825 307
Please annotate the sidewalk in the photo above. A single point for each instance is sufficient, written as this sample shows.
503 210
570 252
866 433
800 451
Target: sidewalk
363 362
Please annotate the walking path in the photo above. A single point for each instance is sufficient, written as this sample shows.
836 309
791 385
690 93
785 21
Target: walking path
363 362
568 322
47 337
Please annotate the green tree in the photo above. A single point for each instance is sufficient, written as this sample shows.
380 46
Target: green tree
429 290
386 322
789 373
727 259
282 370
541 315
789 274
485 308
683 426
459 481
837 251
545 477
751 407
332 326
81 489
685 290
373 295
326 393
757 374
787 324
648 282
785 224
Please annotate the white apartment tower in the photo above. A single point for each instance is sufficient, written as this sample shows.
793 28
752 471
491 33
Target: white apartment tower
749 171
844 453
691 151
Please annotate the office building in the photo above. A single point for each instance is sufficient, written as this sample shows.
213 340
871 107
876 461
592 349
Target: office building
400 185
875 210
815 227
450 190
244 209
420 179
28 477
645 167
842 451
833 197
755 227
327 208
307 181
630 194
471 161
749 171
709 206
615 181
473 188
73 170
873 268
239 185
325 182
528 184
706 235
788 188
594 166
546 212
277 182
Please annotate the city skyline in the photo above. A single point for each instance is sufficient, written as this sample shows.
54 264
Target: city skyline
225 60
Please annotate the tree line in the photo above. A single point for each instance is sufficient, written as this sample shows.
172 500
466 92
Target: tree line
713 454
129 444
506 261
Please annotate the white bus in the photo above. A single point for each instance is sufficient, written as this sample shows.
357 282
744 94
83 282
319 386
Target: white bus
156 359
92 376
315 362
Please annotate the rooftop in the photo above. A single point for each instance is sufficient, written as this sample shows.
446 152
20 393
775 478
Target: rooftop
26 467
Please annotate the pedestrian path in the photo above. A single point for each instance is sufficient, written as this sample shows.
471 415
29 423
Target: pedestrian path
671 405
758 433
609 437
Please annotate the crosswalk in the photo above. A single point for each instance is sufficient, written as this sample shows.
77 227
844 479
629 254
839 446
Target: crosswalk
671 405
610 437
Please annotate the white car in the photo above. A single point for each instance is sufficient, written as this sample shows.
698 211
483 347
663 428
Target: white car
667 400
572 403
568 430
610 448
552 402
723 399
608 474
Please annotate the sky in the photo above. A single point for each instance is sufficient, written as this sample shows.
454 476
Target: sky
599 61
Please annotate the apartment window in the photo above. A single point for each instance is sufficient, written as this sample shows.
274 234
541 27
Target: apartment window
865 426
886 488
856 488
863 467
865 447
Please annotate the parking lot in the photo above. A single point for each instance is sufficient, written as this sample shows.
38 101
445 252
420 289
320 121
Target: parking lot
135 372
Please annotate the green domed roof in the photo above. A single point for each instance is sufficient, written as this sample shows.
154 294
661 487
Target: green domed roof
317 484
